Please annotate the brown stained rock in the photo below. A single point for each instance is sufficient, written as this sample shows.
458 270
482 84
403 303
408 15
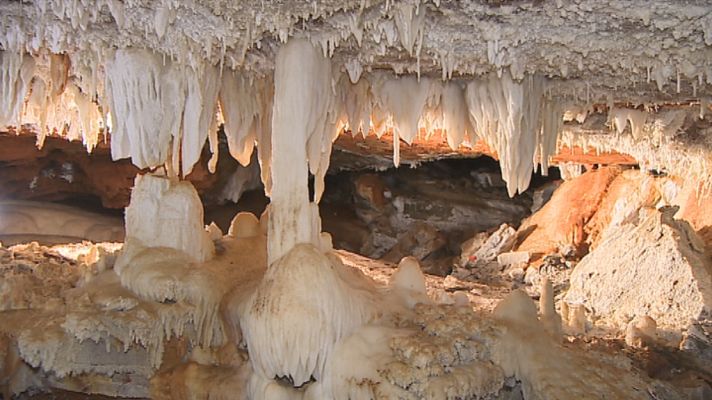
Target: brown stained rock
422 149
422 241
62 169
591 157
628 192
561 221
372 188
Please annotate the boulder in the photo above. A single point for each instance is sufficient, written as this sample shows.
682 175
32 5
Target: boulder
420 241
483 249
513 258
560 222
652 266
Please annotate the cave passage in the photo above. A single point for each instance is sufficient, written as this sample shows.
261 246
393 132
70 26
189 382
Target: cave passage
402 199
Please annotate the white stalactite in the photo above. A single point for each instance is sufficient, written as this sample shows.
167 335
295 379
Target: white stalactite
199 114
551 125
508 116
15 74
246 107
357 103
455 123
409 19
58 103
404 98
153 103
146 99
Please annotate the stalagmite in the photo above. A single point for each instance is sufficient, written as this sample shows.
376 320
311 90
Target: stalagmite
409 281
214 231
550 319
310 322
275 308
302 308
244 225
166 213
641 331
529 353
576 319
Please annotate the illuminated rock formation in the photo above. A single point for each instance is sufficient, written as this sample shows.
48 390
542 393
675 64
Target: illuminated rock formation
272 310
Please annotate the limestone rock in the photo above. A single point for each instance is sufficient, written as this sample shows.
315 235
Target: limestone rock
652 266
698 340
421 241
542 195
627 193
694 208
513 258
500 241
561 221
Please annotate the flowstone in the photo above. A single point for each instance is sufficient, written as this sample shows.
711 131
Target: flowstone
166 213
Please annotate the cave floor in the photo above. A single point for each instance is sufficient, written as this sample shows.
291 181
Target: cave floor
677 369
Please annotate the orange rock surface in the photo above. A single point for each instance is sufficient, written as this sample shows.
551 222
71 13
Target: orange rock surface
630 190
422 149
591 157
562 220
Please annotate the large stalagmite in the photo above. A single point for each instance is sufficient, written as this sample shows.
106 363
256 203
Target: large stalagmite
304 304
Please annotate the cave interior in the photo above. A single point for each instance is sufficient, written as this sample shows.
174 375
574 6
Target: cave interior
373 199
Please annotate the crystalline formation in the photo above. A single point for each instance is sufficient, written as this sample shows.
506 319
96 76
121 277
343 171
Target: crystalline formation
269 310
